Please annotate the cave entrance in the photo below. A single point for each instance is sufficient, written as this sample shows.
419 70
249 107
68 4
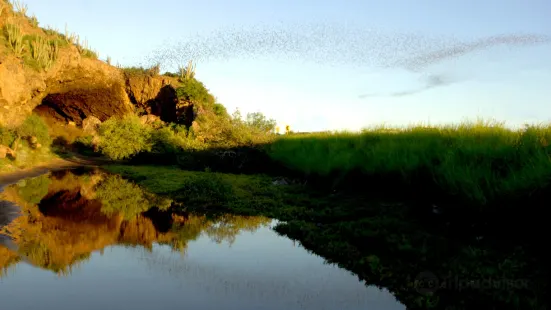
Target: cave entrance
64 108
62 126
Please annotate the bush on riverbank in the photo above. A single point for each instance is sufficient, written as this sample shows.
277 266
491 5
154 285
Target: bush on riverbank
29 144
126 137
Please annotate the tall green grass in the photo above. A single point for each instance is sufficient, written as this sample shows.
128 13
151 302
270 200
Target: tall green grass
478 161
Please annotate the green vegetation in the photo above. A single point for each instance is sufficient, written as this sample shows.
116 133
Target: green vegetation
34 126
30 143
477 162
124 137
137 71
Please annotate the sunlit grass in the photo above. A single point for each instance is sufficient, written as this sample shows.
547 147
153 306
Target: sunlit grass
477 160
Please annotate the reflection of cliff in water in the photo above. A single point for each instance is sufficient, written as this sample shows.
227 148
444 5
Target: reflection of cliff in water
68 215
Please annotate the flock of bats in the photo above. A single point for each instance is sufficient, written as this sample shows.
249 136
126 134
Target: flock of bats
333 44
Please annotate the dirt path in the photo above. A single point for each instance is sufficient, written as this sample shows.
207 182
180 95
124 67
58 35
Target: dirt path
7 178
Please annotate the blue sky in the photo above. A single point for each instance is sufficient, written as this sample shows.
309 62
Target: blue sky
345 77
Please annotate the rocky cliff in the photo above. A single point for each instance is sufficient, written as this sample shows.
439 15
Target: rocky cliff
74 85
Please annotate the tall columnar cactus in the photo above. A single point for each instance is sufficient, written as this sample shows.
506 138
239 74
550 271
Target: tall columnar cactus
15 38
187 73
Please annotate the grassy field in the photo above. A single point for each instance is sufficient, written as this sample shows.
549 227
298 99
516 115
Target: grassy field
477 162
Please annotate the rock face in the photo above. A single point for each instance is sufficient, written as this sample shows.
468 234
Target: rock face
185 113
73 89
154 94
76 87
143 88
90 125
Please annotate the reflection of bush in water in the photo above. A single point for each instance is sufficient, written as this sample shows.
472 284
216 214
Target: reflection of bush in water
228 226
120 196
220 228
34 189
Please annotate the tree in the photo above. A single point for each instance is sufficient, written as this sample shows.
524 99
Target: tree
259 121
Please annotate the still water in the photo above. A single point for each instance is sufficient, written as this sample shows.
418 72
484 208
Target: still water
64 252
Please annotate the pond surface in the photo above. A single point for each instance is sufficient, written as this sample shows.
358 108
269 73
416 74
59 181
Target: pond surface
68 250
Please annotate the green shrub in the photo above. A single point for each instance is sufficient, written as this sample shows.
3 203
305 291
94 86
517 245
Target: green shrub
170 74
260 122
84 141
7 136
164 141
220 110
194 91
134 71
121 138
34 126
85 145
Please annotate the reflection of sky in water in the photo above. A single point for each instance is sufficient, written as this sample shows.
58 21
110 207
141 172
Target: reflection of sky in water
260 270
